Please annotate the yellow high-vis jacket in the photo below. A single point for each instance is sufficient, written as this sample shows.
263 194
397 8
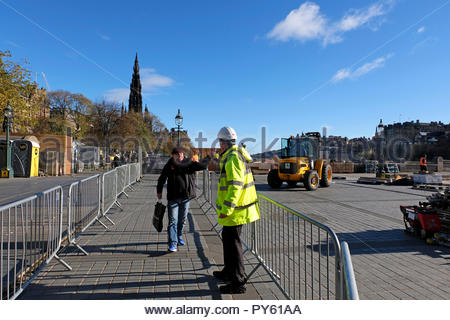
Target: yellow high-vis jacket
236 195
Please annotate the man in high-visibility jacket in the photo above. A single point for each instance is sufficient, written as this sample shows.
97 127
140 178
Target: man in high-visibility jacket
423 164
236 204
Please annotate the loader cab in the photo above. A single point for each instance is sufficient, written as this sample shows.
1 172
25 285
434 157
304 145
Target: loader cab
301 146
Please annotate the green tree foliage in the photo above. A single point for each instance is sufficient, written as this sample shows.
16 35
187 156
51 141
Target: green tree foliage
20 92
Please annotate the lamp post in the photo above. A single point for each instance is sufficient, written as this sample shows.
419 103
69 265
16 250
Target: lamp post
8 171
179 122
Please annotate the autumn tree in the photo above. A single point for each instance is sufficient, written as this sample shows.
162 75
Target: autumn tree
72 109
104 118
20 92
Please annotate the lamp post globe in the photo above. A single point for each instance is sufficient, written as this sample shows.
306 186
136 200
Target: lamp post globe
9 113
179 119
178 122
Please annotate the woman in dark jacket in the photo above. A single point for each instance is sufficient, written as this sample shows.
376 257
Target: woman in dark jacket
178 173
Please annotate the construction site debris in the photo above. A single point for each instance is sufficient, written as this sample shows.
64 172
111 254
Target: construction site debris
430 220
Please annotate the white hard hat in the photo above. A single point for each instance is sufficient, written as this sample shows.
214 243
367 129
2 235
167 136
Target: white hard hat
227 133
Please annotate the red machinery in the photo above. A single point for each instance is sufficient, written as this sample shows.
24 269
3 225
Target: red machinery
421 220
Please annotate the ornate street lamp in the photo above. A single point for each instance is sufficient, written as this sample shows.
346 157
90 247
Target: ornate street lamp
179 122
8 171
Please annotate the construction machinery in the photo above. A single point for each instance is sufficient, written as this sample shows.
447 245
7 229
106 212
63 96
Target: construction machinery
386 173
430 220
301 162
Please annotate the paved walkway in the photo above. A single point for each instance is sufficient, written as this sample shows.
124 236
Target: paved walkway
130 260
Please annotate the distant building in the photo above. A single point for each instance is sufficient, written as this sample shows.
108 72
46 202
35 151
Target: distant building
413 132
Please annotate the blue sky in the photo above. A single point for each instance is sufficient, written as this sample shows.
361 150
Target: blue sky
290 66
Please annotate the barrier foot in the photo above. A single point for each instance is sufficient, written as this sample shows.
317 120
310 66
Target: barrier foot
107 218
80 248
104 225
117 203
65 264
125 194
131 188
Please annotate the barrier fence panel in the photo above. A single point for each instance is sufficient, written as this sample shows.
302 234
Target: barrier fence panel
31 235
83 207
210 185
128 176
121 180
134 173
301 254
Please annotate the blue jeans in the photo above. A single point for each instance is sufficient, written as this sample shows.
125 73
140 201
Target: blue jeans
177 211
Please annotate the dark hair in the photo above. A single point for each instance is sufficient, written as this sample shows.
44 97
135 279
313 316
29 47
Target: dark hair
177 150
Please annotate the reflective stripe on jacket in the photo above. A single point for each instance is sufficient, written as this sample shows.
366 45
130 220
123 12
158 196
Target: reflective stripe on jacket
236 194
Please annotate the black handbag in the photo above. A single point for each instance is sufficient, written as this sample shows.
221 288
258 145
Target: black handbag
158 216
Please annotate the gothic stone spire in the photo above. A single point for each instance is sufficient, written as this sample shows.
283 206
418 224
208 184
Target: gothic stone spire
135 100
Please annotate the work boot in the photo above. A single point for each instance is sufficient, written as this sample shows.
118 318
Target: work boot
233 289
222 276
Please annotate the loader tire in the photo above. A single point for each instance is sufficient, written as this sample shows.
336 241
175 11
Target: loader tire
327 176
311 181
273 179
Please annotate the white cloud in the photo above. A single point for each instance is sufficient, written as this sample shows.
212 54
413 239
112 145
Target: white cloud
118 95
341 75
357 17
421 30
301 24
308 23
150 80
347 73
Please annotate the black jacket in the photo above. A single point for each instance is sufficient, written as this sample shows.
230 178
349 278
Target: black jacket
180 178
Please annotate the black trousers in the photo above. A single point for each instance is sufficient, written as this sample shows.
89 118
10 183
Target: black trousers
232 254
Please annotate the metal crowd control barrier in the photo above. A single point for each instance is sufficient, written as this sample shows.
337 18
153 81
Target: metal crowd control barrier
297 251
31 235
84 204
115 182
109 192
303 256
32 228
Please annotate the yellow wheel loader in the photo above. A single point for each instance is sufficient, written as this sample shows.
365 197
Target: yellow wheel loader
300 162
